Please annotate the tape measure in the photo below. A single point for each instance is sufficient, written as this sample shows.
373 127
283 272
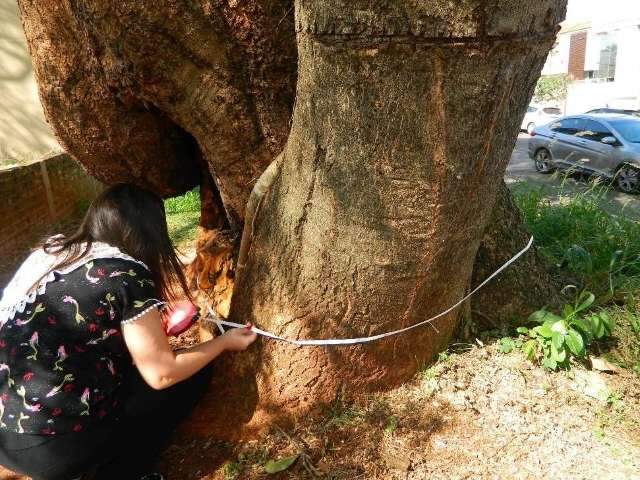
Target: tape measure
212 317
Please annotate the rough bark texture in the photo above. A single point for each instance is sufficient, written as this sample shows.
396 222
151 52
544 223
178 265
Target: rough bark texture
374 217
405 117
520 290
123 81
115 135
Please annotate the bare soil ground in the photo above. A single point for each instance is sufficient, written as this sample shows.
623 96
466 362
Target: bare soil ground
475 414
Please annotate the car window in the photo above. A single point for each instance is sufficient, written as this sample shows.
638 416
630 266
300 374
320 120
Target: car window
594 131
629 129
568 126
635 113
552 111
531 109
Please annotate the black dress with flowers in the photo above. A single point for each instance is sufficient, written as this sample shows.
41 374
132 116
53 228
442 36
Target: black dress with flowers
63 359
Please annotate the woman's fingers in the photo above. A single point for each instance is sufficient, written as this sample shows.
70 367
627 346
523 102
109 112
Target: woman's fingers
239 339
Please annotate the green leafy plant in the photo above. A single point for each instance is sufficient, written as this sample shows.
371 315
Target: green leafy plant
551 88
443 356
280 465
340 414
508 344
392 425
556 338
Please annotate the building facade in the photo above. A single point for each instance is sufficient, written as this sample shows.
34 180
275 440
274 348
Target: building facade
598 49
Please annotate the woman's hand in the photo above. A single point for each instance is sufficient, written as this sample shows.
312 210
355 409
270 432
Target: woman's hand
238 339
159 365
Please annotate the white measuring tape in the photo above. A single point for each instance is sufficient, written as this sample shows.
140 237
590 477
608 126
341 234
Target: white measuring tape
351 341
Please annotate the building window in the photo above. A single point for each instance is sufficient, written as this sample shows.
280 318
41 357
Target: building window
606 71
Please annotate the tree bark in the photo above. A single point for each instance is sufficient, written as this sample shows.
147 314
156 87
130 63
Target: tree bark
405 116
116 135
376 211
520 290
131 87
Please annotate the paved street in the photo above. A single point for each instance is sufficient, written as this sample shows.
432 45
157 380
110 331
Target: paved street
521 169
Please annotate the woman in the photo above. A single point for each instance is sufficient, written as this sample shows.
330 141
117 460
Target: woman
75 319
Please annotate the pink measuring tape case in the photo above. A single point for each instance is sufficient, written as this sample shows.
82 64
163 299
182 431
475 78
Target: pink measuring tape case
179 317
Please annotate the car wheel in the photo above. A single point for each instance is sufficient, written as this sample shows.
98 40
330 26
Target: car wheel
530 128
542 161
627 179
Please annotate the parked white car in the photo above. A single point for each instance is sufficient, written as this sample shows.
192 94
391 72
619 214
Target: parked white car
538 115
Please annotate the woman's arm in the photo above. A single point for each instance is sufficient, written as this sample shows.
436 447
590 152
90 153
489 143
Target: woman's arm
159 365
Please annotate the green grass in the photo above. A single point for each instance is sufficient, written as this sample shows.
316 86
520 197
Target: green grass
599 250
188 202
183 217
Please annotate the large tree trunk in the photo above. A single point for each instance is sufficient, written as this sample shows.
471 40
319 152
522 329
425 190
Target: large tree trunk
405 116
127 84
520 290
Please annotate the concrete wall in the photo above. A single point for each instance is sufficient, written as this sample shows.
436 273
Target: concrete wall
35 199
24 133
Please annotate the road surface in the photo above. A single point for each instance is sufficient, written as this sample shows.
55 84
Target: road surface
521 169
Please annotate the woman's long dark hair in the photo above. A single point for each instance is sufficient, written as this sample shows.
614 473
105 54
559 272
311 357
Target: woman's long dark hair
132 219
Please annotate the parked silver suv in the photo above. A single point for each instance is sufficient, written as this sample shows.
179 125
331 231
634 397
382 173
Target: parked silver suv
607 145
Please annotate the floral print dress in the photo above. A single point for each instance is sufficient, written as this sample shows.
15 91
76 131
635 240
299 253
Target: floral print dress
63 358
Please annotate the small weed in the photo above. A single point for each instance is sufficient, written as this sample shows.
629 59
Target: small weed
340 415
429 379
625 352
392 425
443 356
557 338
232 471
429 373
614 399
247 459
613 415
508 344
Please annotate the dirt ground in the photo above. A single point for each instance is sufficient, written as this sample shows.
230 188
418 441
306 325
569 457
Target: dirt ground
475 414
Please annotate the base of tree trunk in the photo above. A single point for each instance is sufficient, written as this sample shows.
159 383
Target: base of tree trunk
230 409
526 286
